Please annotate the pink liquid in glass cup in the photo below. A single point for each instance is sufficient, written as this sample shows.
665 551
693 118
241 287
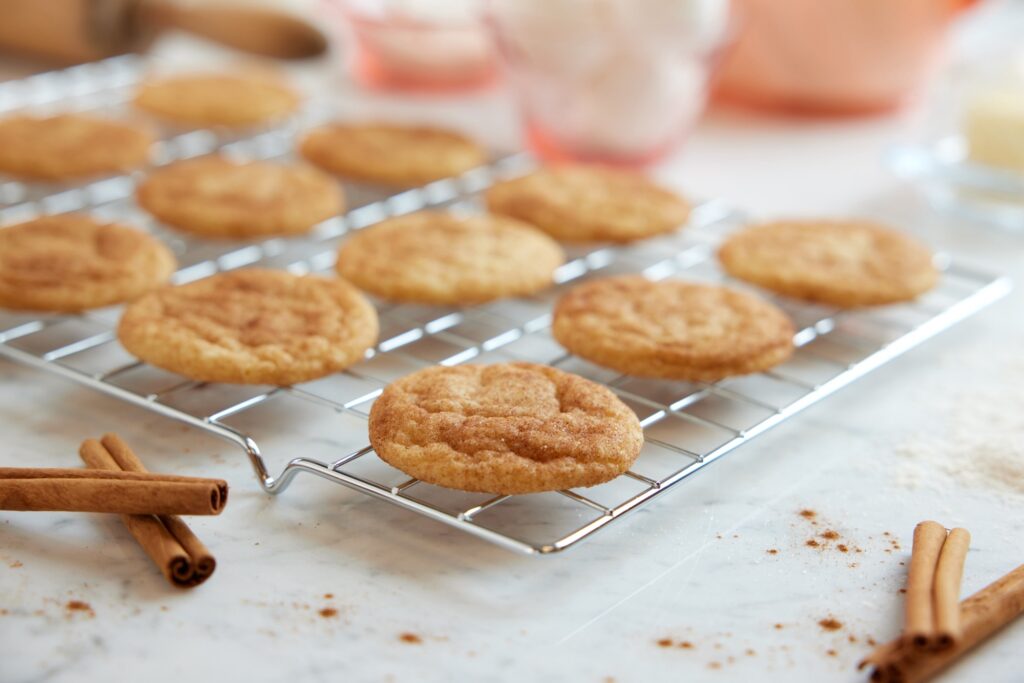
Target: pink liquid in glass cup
609 81
419 45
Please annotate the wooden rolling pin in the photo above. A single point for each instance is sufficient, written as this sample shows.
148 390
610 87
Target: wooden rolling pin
72 31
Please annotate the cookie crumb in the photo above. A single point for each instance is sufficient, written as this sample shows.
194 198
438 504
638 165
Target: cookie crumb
830 624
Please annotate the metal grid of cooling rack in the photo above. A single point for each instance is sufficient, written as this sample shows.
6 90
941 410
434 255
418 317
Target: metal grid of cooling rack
687 425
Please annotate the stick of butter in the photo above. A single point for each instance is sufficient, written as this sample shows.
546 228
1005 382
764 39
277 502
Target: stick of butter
994 126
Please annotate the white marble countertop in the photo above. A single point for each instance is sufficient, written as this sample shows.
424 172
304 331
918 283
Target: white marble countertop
694 566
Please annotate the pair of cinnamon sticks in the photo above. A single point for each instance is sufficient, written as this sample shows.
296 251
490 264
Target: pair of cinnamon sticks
938 629
118 482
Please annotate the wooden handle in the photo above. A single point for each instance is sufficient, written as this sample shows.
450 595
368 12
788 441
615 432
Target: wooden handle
67 31
260 30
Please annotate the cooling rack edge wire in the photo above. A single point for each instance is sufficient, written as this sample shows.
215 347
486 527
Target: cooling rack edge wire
867 340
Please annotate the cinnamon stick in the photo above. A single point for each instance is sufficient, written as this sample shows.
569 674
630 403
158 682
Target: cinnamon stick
200 561
948 575
919 613
982 615
72 490
153 534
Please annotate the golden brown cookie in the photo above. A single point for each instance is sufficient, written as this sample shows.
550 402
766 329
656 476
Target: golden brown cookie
216 197
672 329
508 428
843 263
72 262
434 257
216 99
70 146
251 326
390 154
575 203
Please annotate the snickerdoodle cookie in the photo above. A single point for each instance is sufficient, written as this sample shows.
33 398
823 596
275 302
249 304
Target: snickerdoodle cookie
576 203
672 329
390 154
70 146
71 263
844 263
251 326
218 99
508 428
217 197
441 258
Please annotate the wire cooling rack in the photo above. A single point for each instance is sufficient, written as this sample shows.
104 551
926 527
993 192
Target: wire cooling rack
321 425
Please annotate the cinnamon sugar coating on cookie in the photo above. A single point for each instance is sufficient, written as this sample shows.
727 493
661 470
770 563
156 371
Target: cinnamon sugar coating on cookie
843 263
672 329
390 154
72 262
576 203
436 257
218 197
251 326
218 99
70 146
509 428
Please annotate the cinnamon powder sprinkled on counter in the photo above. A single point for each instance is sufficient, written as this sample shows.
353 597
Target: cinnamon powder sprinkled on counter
778 627
328 612
410 638
686 645
328 596
808 514
831 653
665 642
830 624
843 548
714 665
830 535
812 543
772 551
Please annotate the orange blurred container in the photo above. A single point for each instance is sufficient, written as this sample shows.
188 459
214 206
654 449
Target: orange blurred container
833 56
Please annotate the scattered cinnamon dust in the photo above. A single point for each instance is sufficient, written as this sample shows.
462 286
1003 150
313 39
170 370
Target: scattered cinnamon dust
778 627
410 638
749 652
843 548
871 641
328 612
328 596
813 543
830 624
831 653
830 535
665 642
808 514
772 551
686 645
714 665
